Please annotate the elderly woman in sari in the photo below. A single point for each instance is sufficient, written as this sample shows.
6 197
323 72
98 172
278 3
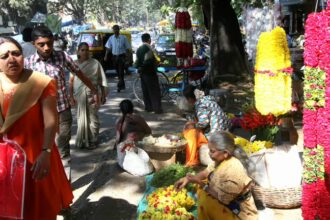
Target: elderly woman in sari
224 187
87 110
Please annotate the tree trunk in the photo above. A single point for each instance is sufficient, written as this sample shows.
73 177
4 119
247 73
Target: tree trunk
227 50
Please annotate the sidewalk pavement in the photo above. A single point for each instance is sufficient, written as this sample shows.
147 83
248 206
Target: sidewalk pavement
102 190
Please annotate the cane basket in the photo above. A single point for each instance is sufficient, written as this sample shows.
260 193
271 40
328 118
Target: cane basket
278 198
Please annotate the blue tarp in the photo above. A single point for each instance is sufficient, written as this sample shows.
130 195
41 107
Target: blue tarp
78 29
71 22
143 204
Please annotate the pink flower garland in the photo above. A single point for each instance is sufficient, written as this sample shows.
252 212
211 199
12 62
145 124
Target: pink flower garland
316 195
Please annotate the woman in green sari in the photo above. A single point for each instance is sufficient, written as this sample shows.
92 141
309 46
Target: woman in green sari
87 110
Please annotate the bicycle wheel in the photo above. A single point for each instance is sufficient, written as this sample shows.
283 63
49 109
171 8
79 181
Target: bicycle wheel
137 90
163 84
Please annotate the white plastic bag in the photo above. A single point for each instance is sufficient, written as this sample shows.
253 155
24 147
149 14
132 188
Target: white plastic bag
183 104
260 176
284 167
135 161
278 167
204 156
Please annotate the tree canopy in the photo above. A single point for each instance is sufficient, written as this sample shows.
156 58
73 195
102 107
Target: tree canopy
129 12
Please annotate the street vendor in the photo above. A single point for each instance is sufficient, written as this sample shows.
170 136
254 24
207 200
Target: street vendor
224 187
131 127
210 119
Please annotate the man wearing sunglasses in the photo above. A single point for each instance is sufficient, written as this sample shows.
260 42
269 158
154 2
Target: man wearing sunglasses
53 63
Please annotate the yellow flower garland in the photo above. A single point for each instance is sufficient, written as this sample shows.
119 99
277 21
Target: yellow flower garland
272 84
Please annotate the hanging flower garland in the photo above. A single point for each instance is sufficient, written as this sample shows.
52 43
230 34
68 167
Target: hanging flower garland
314 88
273 73
316 196
183 34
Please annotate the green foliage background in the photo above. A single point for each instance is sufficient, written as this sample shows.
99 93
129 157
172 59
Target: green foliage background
130 12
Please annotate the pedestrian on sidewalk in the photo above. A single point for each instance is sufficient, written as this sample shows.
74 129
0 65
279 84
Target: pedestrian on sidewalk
53 63
87 110
146 63
28 116
119 47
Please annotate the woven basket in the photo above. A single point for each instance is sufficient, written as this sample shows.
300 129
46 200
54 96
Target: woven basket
278 198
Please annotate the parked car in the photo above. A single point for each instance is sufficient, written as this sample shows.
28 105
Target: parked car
96 39
165 48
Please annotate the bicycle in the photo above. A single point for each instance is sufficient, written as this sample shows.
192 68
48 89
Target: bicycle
137 90
181 78
170 86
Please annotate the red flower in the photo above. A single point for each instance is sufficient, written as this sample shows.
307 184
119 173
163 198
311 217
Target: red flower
253 119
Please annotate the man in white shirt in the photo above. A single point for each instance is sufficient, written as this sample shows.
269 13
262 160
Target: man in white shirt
27 46
119 47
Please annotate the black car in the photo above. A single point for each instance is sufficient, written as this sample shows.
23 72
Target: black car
165 48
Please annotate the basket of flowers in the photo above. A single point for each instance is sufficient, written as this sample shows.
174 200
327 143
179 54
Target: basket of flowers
267 158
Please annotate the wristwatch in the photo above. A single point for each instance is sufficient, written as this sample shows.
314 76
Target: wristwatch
48 150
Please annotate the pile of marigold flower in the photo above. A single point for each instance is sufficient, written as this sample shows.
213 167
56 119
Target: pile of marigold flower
252 147
167 203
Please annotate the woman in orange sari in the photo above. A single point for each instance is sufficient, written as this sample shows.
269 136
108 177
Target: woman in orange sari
224 187
210 118
29 117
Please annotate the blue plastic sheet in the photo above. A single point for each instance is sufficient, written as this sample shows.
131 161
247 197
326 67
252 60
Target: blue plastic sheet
143 204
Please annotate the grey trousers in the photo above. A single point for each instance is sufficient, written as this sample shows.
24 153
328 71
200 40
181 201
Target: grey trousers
64 134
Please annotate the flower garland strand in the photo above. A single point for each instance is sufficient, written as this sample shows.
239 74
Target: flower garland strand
316 194
183 34
273 73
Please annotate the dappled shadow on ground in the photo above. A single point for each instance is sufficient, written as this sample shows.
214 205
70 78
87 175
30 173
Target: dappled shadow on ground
105 178
107 208
106 136
99 177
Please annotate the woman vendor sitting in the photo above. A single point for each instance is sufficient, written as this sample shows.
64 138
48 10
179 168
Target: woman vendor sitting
131 127
210 118
224 187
